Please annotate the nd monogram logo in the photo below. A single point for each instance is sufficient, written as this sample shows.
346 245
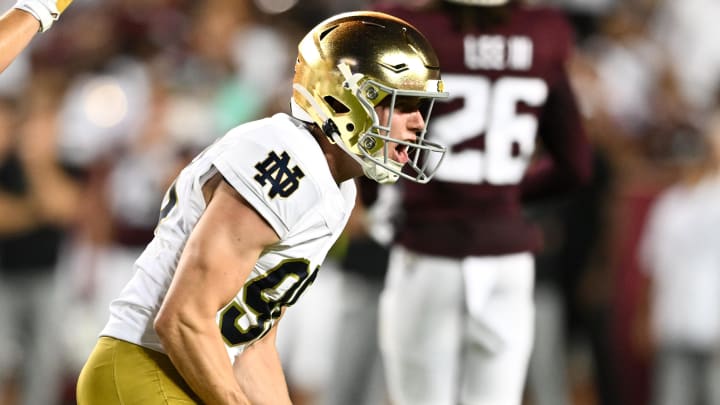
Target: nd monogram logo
283 180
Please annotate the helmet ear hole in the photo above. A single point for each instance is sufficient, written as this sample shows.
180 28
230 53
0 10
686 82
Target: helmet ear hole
350 127
336 105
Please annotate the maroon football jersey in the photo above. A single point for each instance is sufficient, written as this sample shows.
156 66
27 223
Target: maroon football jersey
508 90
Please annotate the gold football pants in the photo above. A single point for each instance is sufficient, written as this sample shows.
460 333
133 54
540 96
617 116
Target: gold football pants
119 372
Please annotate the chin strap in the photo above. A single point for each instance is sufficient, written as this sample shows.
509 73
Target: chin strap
381 174
299 113
371 169
351 80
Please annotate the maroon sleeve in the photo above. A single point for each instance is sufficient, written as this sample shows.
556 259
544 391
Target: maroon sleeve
566 161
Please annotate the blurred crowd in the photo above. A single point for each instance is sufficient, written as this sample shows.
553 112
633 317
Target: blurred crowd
100 113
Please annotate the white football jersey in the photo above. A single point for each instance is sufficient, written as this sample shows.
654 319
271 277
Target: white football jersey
279 168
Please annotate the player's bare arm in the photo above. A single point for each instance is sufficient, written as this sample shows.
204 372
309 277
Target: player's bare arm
259 372
17 28
215 263
19 25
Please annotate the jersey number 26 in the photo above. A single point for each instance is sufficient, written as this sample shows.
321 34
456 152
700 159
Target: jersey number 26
490 108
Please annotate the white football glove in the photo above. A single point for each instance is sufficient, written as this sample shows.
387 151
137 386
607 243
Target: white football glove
45 11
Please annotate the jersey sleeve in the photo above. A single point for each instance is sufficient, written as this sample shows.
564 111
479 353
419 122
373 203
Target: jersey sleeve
568 162
270 180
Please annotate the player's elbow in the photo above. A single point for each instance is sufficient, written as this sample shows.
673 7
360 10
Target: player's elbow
170 326
172 332
173 321
165 325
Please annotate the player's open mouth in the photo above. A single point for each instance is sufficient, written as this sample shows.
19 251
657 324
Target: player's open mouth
401 153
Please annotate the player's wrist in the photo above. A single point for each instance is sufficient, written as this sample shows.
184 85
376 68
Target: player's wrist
45 12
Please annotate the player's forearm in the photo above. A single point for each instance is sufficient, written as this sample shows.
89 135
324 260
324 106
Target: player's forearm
259 372
197 352
17 28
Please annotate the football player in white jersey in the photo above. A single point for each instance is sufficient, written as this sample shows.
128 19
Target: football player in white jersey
246 225
20 24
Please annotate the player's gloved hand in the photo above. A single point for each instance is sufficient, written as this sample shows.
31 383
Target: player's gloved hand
46 11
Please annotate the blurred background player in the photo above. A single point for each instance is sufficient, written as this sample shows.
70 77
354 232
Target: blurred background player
38 196
678 252
20 24
457 310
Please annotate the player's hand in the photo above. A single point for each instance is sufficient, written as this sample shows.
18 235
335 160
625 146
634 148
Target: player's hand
45 11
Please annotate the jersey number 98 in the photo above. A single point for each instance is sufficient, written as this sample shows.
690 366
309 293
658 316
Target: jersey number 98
265 296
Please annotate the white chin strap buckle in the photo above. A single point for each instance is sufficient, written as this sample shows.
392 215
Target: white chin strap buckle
381 174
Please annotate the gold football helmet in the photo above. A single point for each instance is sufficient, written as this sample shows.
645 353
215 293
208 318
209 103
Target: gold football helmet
350 63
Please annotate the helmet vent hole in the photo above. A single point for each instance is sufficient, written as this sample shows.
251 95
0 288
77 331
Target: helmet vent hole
336 105
326 32
350 127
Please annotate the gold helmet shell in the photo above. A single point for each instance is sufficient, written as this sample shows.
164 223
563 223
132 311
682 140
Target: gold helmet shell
350 63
